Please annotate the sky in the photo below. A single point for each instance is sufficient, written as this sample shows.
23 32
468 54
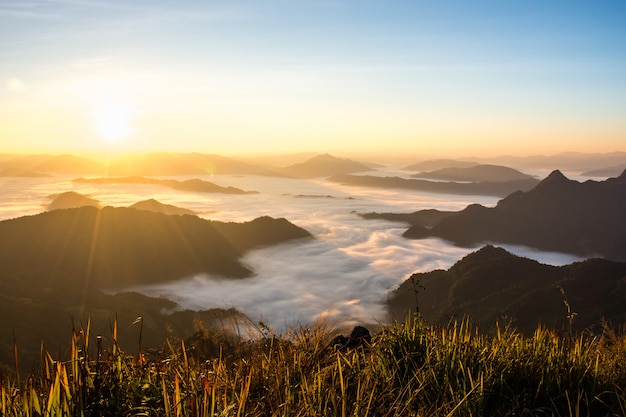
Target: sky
438 77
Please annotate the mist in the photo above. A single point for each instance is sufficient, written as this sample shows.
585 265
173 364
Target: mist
342 276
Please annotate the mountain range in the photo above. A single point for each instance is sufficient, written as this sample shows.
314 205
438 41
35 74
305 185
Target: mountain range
193 185
172 164
477 173
72 199
499 189
559 214
176 163
434 164
57 269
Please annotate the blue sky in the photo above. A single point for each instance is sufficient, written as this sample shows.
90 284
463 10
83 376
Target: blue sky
435 77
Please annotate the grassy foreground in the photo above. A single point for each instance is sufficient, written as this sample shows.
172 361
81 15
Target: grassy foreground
409 369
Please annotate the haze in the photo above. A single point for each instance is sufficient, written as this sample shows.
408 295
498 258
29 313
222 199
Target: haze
343 275
430 78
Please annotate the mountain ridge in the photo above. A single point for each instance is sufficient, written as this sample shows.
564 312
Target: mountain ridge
477 173
117 247
491 285
558 214
324 165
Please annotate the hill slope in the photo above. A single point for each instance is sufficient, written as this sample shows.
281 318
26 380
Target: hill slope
121 247
557 215
56 266
493 284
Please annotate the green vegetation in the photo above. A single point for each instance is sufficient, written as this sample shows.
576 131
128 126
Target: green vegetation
492 285
409 369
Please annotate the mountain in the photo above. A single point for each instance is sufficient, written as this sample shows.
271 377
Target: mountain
40 315
478 173
605 172
166 163
424 218
158 207
158 163
44 165
499 189
71 199
558 214
57 269
493 284
122 247
324 166
192 185
567 161
434 164
10 172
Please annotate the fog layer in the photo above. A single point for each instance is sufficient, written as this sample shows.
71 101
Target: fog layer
343 275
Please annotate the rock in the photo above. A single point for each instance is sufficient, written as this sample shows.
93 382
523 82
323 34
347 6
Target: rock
359 336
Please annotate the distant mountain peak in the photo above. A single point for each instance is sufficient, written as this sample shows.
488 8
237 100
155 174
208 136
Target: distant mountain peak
556 175
70 199
158 207
558 214
487 252
555 179
324 165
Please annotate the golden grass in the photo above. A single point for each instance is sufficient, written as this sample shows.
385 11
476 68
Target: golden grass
409 369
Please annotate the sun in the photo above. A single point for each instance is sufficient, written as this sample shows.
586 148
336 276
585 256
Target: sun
112 122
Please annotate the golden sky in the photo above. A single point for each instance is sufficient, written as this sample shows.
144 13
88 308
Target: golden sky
421 77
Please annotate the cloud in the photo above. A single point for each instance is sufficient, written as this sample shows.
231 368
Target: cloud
549 258
343 276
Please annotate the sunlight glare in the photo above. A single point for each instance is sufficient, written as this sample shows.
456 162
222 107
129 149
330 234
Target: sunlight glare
112 122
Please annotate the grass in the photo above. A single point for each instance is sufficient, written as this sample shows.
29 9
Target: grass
408 369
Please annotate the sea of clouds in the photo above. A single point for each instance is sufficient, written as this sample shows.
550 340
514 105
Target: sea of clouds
343 275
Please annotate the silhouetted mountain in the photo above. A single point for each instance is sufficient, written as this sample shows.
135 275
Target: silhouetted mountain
424 218
492 284
122 247
164 163
606 172
9 172
569 161
434 164
557 215
71 199
478 173
324 166
194 185
40 314
54 267
476 188
159 163
44 165
158 207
